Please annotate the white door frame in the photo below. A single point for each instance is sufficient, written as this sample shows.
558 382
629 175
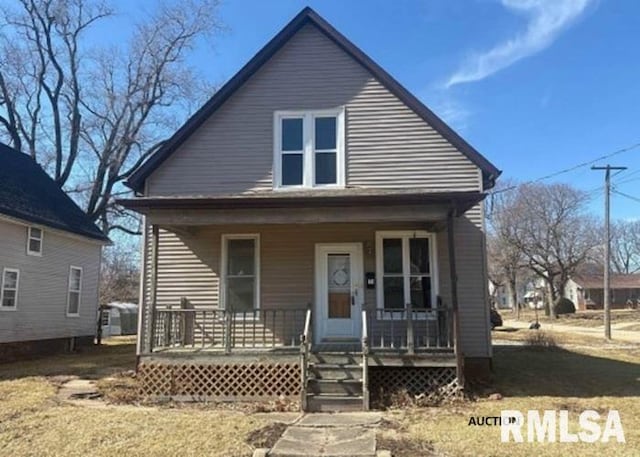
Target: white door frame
321 310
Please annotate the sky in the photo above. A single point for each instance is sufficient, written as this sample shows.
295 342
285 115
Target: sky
537 86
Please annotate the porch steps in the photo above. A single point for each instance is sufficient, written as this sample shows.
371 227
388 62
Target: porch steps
335 382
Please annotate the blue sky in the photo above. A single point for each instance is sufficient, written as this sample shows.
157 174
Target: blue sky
536 86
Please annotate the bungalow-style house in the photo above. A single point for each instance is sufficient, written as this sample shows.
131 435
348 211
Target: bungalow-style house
587 291
312 230
49 261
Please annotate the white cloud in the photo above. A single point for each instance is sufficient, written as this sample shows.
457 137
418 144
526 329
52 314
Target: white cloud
452 111
547 20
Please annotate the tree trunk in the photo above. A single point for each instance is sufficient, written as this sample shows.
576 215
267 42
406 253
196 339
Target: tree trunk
551 299
513 297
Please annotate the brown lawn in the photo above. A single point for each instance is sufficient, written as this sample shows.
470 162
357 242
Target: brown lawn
34 422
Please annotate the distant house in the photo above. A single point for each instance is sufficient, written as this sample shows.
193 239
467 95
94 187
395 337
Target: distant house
49 262
528 294
587 291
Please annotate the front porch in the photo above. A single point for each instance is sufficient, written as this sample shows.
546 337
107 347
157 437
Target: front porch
324 308
215 354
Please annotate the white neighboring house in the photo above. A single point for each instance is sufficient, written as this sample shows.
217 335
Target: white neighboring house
49 262
500 296
119 318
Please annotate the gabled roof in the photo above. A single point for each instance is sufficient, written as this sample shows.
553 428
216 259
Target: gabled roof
28 193
309 16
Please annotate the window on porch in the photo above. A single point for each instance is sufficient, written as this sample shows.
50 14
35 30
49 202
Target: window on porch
406 270
241 272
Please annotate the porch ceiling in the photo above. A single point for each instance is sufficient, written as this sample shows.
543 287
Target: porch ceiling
343 205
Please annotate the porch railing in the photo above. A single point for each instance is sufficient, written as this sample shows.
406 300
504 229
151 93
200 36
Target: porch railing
306 340
227 330
411 329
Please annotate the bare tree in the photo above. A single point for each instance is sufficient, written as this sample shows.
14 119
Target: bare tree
625 246
91 115
119 275
504 256
549 226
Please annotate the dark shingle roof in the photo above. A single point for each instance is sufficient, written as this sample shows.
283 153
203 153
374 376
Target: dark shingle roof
28 193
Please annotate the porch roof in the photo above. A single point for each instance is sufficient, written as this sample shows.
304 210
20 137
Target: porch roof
460 202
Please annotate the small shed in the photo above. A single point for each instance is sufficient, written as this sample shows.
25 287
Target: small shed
119 318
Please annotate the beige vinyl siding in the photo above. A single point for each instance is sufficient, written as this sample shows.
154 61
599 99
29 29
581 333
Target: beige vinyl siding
387 144
42 297
189 266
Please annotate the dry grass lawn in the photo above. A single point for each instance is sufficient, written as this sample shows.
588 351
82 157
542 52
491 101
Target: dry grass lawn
589 318
33 422
535 378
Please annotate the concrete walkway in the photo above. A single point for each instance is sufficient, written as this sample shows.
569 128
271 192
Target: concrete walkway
326 435
617 334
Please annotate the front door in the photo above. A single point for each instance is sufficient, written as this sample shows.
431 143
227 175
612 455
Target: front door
339 292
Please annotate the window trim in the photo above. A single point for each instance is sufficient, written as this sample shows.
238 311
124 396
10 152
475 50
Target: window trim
17 289
71 268
308 148
222 297
433 269
29 238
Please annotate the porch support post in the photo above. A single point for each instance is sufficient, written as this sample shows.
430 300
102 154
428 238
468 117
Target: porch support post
453 279
154 283
411 349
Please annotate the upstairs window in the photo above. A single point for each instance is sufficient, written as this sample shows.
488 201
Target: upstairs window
309 149
34 241
9 289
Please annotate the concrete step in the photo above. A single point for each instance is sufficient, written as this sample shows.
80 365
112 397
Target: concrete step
335 371
334 403
343 358
335 386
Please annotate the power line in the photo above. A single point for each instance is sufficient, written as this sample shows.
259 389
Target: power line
570 169
631 197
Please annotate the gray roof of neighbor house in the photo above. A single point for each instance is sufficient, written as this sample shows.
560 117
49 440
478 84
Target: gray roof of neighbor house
28 193
618 281
309 16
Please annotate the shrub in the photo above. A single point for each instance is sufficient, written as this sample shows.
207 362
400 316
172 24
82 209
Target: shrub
540 340
564 306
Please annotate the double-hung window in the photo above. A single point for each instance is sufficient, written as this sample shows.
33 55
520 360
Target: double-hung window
34 241
74 291
241 272
406 270
9 289
309 149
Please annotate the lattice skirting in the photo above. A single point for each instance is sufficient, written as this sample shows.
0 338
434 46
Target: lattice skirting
424 385
230 381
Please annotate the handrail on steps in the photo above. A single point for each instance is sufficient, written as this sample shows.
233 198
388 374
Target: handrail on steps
305 349
365 362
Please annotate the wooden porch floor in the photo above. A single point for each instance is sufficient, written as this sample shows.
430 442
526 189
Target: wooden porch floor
377 357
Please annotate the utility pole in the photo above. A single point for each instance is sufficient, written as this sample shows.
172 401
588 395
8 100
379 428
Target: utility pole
607 247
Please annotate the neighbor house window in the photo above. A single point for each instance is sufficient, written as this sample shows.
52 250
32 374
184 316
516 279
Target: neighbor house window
105 317
241 272
406 270
309 149
75 290
9 291
34 241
